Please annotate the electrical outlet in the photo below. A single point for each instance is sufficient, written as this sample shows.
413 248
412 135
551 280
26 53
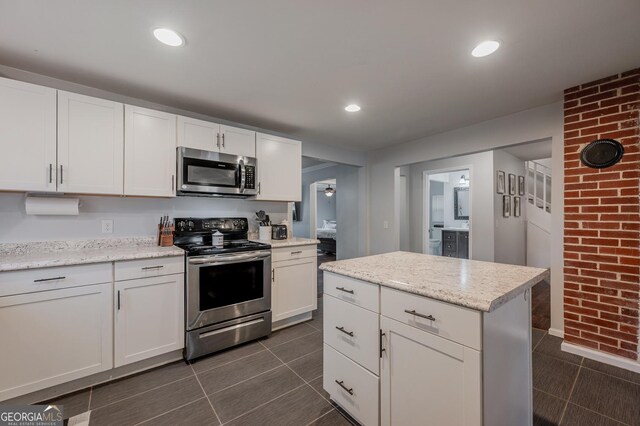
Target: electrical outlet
107 226
385 224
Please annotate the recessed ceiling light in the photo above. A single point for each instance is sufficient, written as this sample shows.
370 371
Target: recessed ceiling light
485 48
168 37
352 108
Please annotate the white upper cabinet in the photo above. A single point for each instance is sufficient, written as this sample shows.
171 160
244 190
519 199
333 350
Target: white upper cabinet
199 134
150 152
279 168
90 145
27 137
237 141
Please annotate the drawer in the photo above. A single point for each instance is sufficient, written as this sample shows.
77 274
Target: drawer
145 268
352 387
360 293
33 280
448 236
448 246
353 331
456 323
288 253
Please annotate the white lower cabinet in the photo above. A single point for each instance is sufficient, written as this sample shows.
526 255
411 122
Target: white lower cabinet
149 317
52 337
425 379
438 363
294 285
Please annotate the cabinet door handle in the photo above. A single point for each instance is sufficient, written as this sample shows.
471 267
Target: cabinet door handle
413 312
273 275
258 187
223 140
345 290
152 267
297 252
61 175
218 140
50 173
381 348
118 299
173 182
341 384
349 333
48 279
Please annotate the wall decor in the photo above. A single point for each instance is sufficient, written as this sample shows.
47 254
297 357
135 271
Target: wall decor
500 182
520 185
506 205
602 153
512 184
516 207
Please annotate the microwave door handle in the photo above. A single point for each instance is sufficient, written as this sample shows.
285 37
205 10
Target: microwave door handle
243 176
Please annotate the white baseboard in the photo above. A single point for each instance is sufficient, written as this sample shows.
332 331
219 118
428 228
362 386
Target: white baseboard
603 357
556 332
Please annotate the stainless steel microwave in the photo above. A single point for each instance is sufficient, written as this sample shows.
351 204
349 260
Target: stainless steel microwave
208 173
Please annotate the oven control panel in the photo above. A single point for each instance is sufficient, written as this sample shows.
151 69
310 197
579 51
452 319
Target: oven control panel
187 225
250 177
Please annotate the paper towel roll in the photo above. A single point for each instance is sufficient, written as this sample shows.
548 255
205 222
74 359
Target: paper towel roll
52 206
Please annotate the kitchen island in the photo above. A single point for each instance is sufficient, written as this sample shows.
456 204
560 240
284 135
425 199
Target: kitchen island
414 339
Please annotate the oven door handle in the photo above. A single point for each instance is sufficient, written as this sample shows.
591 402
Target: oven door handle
243 176
227 260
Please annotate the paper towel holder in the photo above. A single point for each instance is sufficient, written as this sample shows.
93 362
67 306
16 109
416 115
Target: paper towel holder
45 204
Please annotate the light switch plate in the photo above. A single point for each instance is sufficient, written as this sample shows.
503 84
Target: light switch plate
107 226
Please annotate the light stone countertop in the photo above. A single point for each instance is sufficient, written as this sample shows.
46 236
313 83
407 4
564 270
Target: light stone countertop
483 286
21 256
290 242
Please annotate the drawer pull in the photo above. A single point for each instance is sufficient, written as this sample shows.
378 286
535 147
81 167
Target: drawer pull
297 252
48 279
350 333
345 290
146 268
413 312
341 383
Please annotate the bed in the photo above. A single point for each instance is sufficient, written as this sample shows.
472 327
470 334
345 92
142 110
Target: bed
327 236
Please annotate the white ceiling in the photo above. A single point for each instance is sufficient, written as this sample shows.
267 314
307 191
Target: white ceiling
292 65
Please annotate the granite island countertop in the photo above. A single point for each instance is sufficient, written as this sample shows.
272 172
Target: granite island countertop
22 256
289 242
483 286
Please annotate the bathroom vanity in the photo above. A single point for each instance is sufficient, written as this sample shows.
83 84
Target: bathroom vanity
455 243
414 339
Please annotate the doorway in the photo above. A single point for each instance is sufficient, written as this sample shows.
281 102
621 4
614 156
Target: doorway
447 213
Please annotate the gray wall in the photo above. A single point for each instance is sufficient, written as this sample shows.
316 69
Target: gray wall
131 216
481 221
511 232
326 207
526 126
349 199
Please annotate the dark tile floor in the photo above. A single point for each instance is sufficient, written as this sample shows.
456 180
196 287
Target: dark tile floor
323 257
571 390
541 305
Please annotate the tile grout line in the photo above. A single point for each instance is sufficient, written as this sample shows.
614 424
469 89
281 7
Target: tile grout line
600 414
539 341
564 410
205 394
315 330
324 415
263 404
245 380
140 393
170 411
307 383
226 363
90 395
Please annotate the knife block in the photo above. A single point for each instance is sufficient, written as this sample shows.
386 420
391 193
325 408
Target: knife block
165 235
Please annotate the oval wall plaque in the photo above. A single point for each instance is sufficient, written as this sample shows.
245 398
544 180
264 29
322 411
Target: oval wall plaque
602 153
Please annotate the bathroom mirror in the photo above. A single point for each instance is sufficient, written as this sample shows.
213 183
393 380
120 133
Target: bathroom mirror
461 203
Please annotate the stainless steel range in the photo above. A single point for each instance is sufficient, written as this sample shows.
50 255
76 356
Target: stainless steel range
228 286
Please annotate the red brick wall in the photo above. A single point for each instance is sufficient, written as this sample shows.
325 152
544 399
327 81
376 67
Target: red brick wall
602 218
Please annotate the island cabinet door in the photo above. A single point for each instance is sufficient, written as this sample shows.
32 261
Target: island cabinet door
427 380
